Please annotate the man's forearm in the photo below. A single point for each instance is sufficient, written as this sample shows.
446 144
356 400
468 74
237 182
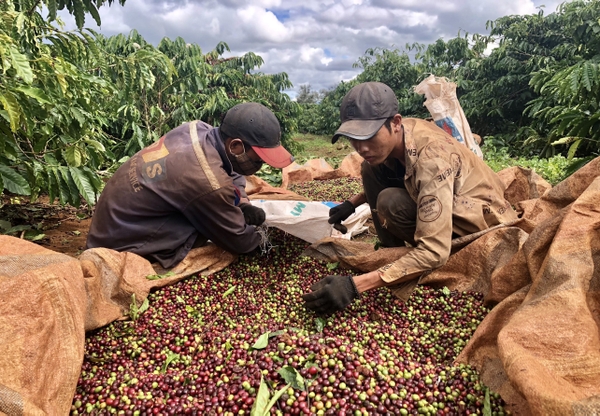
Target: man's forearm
368 281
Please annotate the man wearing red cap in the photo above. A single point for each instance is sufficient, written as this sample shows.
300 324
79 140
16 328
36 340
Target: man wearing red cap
189 187
424 188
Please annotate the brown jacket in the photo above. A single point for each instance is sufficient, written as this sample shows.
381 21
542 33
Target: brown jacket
168 195
454 190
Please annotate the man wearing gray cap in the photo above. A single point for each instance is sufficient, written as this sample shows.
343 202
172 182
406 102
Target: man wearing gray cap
189 187
424 188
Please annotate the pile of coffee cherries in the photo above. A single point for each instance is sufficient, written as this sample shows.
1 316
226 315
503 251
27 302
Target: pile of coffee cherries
206 345
217 344
330 190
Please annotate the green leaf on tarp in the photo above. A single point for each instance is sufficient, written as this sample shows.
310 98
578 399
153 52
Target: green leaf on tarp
170 358
332 266
261 342
446 291
320 323
159 276
262 399
276 397
262 404
144 307
292 377
229 291
487 407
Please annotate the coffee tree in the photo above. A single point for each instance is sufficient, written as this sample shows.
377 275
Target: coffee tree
75 104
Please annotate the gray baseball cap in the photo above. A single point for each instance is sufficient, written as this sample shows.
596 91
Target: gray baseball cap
364 109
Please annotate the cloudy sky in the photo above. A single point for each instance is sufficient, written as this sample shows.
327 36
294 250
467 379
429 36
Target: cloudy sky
314 42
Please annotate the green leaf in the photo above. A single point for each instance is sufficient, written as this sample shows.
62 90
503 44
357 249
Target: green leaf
170 358
229 291
332 266
446 291
79 12
5 225
320 323
84 186
17 229
14 182
292 377
262 341
13 110
276 397
159 276
73 155
563 140
144 307
51 9
573 149
262 400
487 407
21 64
96 145
35 93
63 187
93 11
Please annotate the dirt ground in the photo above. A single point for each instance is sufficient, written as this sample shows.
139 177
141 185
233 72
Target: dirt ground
64 229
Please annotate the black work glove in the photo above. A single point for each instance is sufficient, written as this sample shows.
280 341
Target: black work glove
331 294
253 215
340 212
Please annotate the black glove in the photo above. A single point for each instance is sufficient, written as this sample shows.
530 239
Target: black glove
331 294
253 215
340 212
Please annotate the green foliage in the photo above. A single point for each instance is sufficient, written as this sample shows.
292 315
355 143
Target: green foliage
74 105
394 68
553 169
52 113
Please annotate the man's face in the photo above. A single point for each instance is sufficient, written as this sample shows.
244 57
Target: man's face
376 149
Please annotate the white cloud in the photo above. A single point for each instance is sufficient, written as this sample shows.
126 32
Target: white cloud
314 41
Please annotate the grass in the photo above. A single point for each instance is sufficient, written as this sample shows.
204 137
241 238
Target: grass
315 147
554 169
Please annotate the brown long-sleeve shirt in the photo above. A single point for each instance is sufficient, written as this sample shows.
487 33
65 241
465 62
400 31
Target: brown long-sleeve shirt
171 193
454 190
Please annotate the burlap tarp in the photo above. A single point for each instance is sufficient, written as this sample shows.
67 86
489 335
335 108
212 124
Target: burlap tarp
539 347
49 300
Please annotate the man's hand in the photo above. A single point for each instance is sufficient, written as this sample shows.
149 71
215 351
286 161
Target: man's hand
331 294
253 215
340 212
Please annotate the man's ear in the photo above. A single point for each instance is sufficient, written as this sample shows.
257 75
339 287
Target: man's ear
234 146
397 123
